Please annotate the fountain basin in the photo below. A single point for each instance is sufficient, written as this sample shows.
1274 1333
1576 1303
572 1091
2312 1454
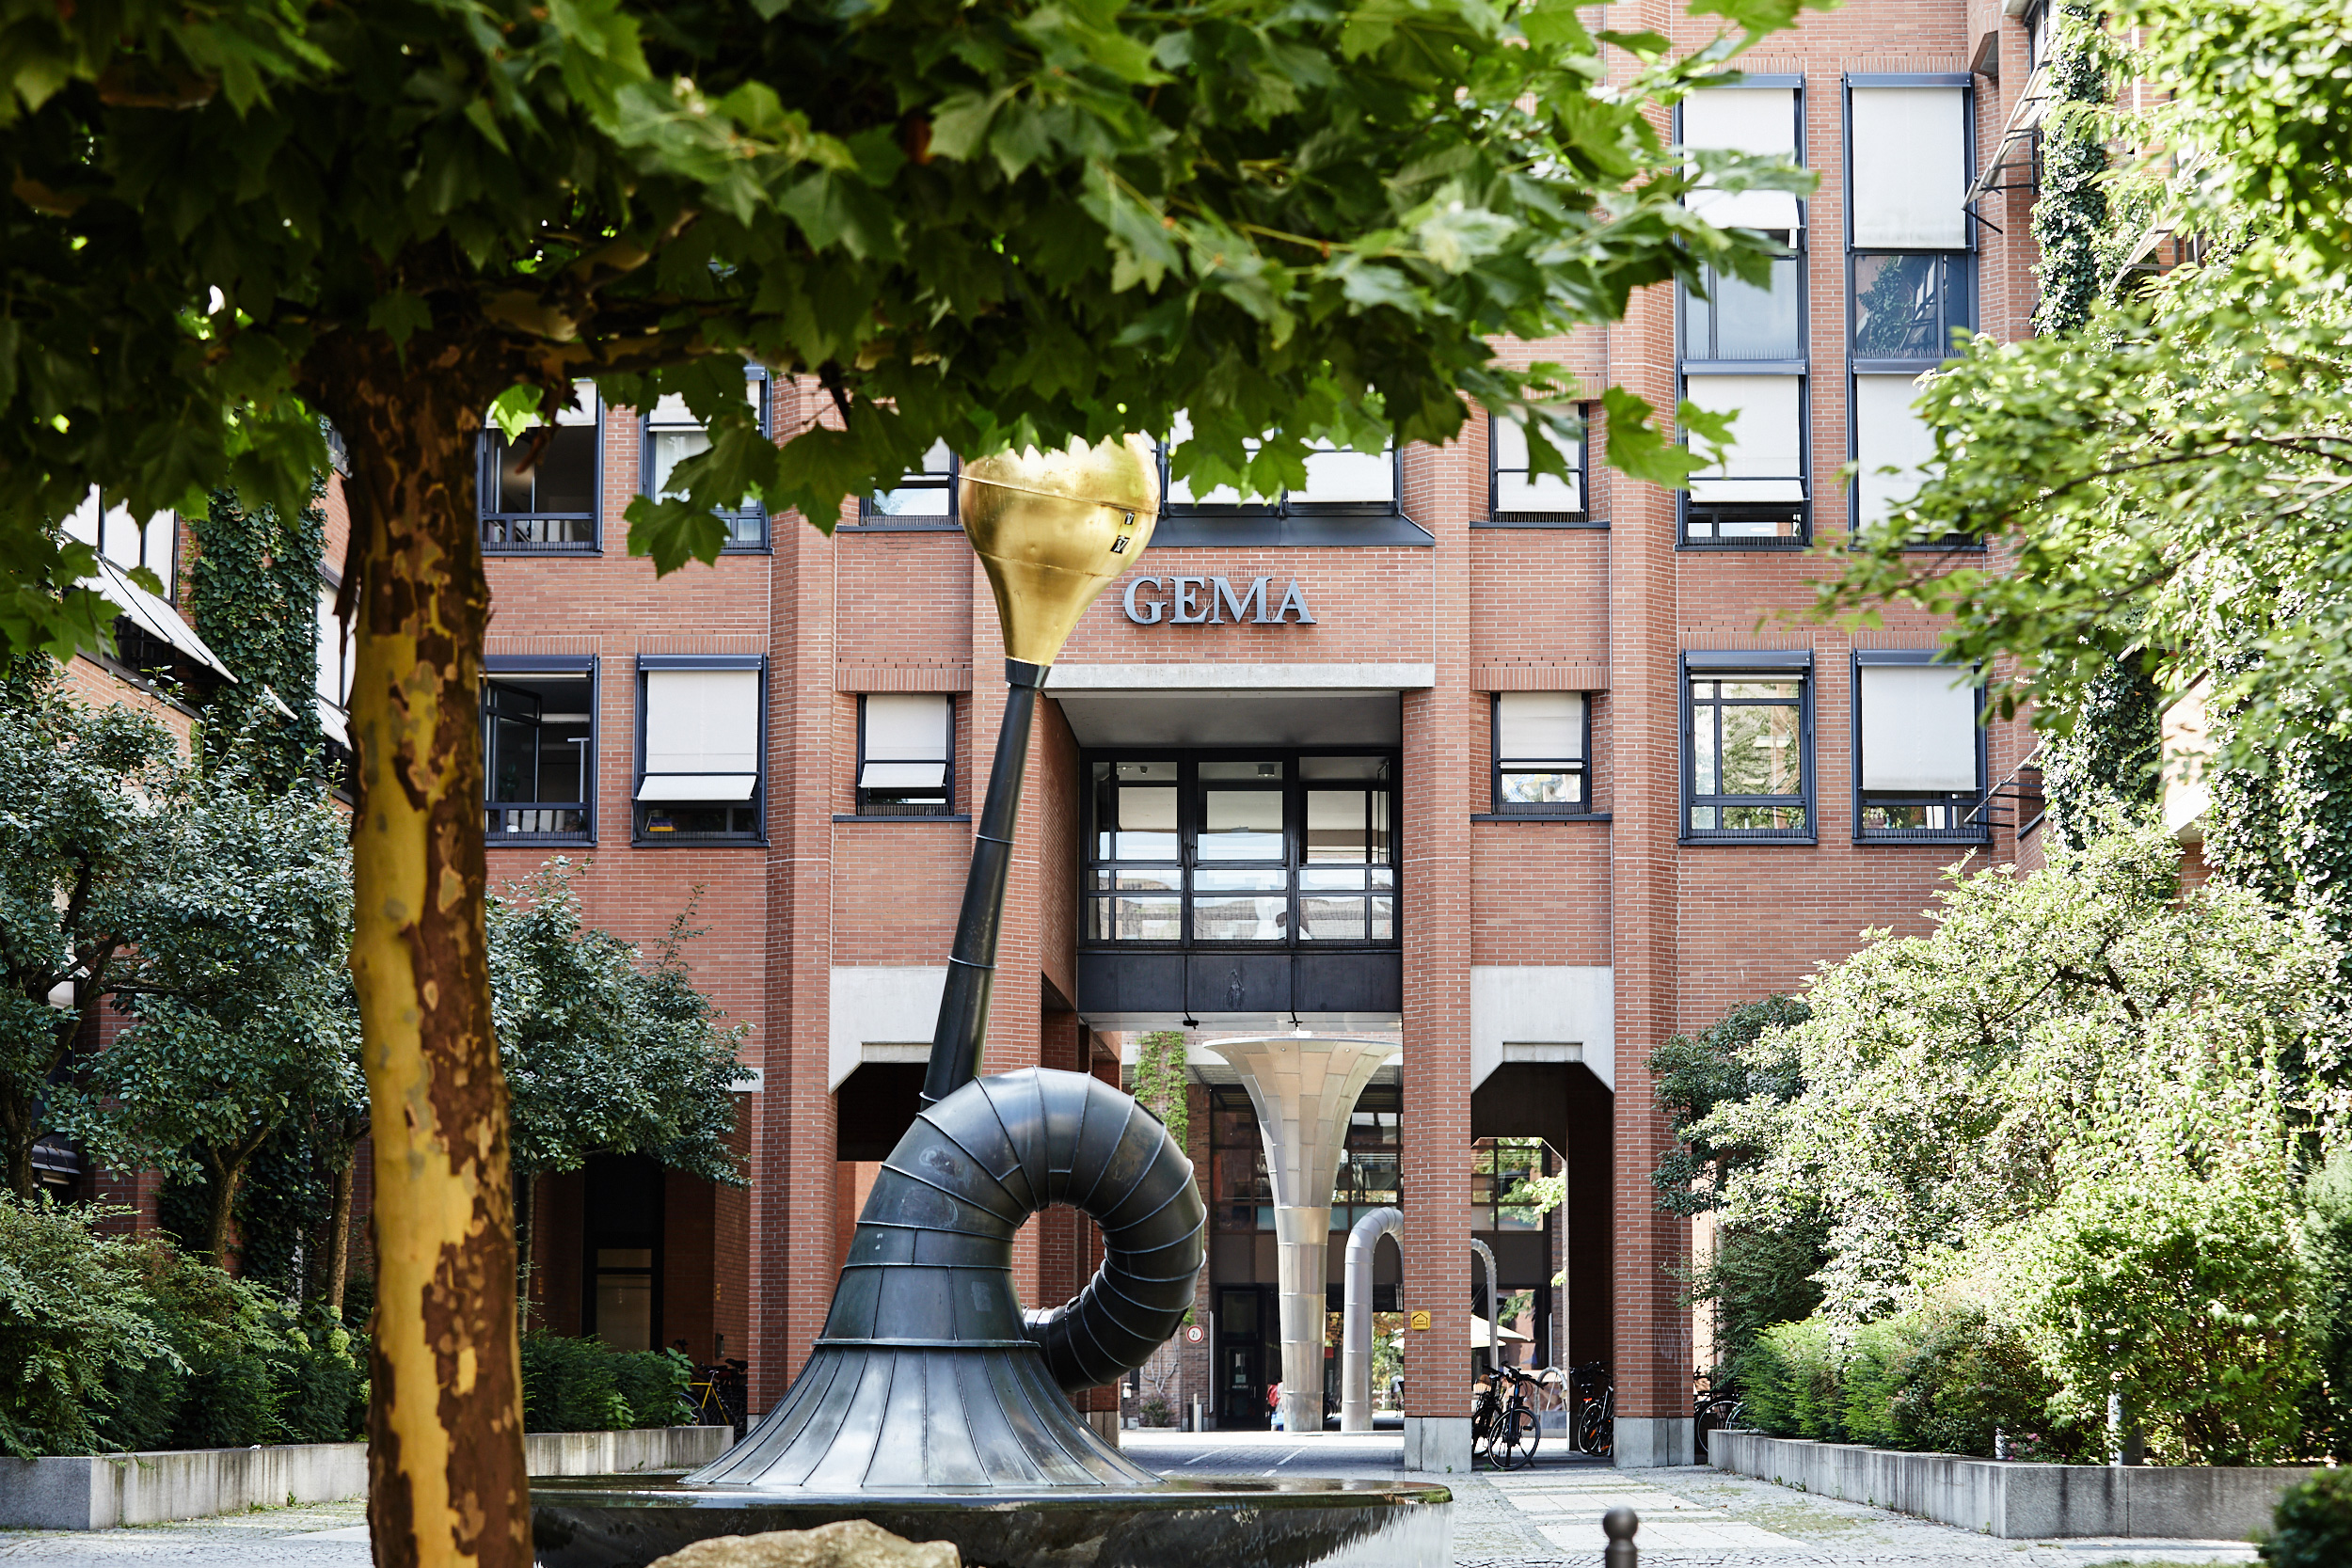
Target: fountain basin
1228 1521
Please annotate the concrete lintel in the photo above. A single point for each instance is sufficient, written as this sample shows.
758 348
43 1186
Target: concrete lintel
889 1006
1549 1012
1262 679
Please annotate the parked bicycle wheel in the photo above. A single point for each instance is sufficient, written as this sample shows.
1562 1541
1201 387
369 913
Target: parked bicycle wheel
1596 1433
1516 1438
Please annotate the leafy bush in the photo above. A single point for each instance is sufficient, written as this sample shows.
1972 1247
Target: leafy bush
1794 1377
2325 1239
1946 1378
2312 1527
71 1310
586 1386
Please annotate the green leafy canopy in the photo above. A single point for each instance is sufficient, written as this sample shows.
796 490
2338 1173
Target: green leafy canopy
991 224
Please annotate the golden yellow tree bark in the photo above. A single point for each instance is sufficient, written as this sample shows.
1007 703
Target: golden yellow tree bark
445 1449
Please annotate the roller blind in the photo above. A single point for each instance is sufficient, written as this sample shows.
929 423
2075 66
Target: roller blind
1908 151
906 728
586 412
1517 490
1540 727
1760 121
1918 728
1888 431
671 413
1766 461
702 721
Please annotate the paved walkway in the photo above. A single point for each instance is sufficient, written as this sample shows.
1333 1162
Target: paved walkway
1546 1517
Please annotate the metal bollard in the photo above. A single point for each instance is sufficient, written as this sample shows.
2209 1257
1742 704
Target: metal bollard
1619 1523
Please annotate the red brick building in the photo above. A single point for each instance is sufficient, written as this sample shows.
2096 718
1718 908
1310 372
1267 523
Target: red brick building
1525 776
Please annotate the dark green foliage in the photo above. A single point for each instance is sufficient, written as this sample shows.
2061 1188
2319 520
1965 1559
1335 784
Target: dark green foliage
1696 1073
1791 1380
586 1386
255 593
2070 219
71 1308
2312 1527
1759 1276
2326 1243
2110 754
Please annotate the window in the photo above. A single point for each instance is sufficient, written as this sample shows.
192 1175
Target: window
1518 494
1906 306
1759 493
673 434
1918 749
1757 322
1241 1194
1277 849
1888 434
1748 747
1500 1169
701 753
1758 117
905 755
1339 481
924 497
1541 742
539 749
539 493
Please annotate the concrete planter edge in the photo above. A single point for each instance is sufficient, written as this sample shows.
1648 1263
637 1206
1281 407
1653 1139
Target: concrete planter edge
83 1492
2015 1500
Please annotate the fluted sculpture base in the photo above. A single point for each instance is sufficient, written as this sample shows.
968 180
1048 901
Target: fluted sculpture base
618 1522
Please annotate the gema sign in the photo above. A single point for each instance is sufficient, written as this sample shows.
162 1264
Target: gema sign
1215 602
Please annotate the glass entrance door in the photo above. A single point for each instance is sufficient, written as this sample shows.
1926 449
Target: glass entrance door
1243 1314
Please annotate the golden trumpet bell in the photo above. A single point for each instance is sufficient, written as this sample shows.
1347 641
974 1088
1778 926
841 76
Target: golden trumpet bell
1053 530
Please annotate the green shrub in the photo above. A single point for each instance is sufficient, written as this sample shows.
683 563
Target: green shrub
653 1384
2312 1527
71 1314
321 1384
2326 1236
570 1386
1944 1379
1792 1378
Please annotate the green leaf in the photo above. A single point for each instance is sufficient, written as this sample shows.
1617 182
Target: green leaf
1635 447
401 316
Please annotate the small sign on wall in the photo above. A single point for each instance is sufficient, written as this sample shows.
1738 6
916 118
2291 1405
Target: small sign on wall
1194 1334
1420 1321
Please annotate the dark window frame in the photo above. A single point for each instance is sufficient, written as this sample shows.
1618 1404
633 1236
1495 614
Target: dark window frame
1688 363
1977 828
1582 517
860 795
757 804
485 467
950 521
1282 522
1188 859
1495 770
753 510
1767 664
496 665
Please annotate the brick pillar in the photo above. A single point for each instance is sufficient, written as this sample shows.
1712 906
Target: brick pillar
1433 832
793 1241
1651 1338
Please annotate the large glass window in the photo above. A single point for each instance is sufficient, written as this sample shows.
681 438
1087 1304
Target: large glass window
1918 749
1747 751
538 745
1275 847
1758 492
1501 1170
1738 320
673 434
1905 307
701 755
538 492
1241 1194
1339 480
1518 492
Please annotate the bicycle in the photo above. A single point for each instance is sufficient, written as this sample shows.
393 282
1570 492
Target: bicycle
1504 1431
1596 1425
716 1395
1712 1411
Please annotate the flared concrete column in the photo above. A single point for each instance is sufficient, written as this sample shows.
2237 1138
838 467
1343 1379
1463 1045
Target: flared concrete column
1305 1087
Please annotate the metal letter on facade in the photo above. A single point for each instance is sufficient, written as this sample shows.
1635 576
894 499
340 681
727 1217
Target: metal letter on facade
1226 598
1185 595
1295 598
1136 613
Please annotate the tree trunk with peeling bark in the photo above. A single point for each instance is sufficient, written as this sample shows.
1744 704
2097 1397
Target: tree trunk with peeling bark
445 1442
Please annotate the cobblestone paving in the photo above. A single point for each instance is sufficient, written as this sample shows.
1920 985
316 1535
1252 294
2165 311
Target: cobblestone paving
1546 1517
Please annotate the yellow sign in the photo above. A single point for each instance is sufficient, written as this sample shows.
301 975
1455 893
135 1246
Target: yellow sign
1420 1321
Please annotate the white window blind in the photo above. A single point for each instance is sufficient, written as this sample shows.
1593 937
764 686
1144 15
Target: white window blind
123 539
1765 462
671 412
1517 490
586 412
906 742
1338 476
1888 431
1760 120
1540 727
703 722
1908 151
1918 728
